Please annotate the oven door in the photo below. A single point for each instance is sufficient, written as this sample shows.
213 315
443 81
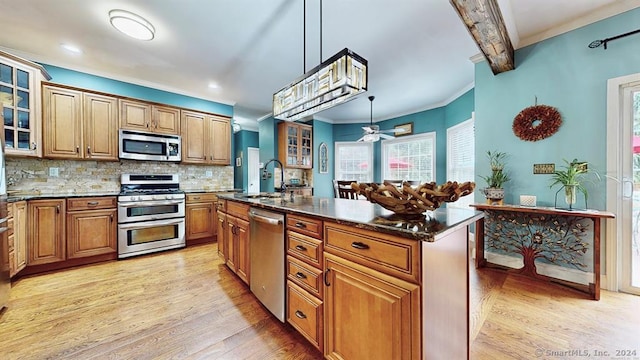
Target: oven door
150 236
150 210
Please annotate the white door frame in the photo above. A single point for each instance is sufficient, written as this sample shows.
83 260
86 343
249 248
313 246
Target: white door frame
616 144
253 170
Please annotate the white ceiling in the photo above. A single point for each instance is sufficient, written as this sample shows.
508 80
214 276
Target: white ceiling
418 50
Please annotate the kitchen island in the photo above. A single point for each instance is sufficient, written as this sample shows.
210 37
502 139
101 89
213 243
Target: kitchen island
363 282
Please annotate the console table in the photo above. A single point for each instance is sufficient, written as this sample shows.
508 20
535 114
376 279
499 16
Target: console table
541 232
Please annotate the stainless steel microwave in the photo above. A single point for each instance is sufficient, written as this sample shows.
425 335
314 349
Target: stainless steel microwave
138 145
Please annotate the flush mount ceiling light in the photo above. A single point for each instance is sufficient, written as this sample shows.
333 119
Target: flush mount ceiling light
132 25
340 78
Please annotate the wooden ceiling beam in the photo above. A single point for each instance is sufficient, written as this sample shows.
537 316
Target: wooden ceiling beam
486 25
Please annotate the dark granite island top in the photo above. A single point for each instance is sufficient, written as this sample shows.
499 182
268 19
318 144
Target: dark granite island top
430 227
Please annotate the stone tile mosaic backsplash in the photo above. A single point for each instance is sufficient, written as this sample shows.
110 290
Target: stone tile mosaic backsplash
76 177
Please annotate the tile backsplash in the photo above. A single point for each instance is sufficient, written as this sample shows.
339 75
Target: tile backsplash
33 175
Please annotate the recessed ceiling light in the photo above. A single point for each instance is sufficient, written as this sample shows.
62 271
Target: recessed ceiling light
71 48
132 25
213 86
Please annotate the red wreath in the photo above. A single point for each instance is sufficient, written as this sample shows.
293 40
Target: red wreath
537 122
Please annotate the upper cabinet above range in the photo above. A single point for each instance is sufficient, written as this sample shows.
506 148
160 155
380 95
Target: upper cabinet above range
295 145
142 116
20 81
206 138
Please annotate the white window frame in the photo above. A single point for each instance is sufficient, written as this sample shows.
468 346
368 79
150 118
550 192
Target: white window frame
339 174
465 128
410 138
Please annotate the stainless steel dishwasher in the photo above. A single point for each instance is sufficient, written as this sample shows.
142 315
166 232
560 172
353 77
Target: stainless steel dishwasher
267 249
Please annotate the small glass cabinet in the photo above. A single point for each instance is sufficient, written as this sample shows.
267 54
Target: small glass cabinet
20 82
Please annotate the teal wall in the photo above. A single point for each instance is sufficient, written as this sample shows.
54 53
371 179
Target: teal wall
438 120
267 134
92 82
564 73
322 183
243 139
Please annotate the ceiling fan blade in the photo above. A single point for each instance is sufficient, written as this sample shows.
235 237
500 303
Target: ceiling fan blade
385 136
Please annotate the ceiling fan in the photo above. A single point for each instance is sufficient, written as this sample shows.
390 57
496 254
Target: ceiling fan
372 133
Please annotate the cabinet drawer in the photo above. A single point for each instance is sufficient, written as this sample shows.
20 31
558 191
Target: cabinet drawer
11 242
305 248
304 313
305 276
389 254
221 205
201 197
238 209
10 226
91 203
305 225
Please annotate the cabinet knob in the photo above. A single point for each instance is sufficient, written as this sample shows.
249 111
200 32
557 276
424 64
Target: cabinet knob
34 146
77 149
89 150
301 225
300 314
300 275
301 248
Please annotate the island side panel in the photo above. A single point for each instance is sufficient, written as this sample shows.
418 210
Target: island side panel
445 296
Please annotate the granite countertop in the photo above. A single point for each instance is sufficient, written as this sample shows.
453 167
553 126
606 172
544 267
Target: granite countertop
365 215
14 195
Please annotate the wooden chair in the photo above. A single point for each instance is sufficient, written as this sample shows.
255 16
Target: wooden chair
343 189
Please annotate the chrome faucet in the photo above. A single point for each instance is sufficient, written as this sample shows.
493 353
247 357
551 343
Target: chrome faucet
283 187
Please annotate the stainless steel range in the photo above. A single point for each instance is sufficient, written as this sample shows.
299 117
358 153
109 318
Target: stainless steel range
150 214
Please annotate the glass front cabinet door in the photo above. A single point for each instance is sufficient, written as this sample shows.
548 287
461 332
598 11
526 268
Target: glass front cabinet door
20 82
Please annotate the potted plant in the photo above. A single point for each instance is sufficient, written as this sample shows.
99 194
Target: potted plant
498 177
572 177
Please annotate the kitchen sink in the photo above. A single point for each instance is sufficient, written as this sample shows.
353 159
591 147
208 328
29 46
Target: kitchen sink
262 195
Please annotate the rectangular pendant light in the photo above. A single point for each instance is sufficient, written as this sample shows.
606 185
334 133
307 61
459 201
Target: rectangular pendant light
339 79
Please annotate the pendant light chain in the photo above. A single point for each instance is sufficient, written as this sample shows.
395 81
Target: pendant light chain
320 31
304 38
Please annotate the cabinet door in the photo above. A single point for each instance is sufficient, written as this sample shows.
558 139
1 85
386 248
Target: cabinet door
100 127
194 135
242 250
305 148
220 141
357 300
199 220
135 115
20 234
165 120
288 144
222 235
46 231
21 110
62 119
91 232
232 243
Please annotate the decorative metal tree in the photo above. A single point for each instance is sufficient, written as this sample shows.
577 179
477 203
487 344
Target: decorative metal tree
558 239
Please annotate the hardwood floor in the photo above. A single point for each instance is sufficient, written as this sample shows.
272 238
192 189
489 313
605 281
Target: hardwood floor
178 304
185 304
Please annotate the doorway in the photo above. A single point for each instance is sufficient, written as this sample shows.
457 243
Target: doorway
623 197
253 170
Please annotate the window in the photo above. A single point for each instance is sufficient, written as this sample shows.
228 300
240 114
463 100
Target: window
410 158
460 157
354 161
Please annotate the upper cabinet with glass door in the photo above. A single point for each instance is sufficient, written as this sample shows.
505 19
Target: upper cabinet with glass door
20 81
295 148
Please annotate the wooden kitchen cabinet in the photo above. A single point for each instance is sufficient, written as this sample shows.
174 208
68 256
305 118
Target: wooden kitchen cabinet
17 234
206 138
22 126
295 145
223 239
237 245
92 226
46 236
201 218
304 277
368 314
143 116
79 125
